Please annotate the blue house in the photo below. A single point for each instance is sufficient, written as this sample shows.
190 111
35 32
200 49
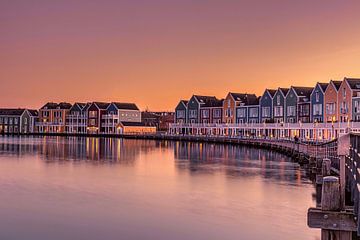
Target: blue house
194 105
297 104
181 112
279 105
317 99
266 105
248 111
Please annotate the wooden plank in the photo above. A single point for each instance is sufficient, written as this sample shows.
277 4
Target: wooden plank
328 220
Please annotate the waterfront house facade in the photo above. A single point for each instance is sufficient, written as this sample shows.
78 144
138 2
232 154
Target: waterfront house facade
279 105
349 88
297 104
317 99
231 101
181 112
248 111
52 117
76 120
118 112
331 101
356 109
95 112
16 121
195 103
211 111
266 106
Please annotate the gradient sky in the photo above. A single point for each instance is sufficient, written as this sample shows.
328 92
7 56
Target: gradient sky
155 52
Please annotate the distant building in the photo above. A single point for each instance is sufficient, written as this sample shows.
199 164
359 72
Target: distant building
248 110
266 105
317 99
117 112
181 112
52 117
160 120
196 103
331 101
349 88
95 112
279 105
297 102
76 120
211 111
231 102
134 128
17 121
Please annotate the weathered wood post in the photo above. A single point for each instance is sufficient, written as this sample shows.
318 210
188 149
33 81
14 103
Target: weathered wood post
343 150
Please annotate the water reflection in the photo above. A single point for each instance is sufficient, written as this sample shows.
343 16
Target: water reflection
97 188
196 157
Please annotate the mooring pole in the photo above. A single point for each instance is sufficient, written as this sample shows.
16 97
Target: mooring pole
343 150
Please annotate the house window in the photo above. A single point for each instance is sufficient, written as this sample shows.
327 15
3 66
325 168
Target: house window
278 99
217 113
304 110
291 111
241 112
93 114
265 111
278 111
1 120
192 113
180 114
15 120
330 108
253 112
205 113
6 120
317 96
344 92
10 120
356 106
317 109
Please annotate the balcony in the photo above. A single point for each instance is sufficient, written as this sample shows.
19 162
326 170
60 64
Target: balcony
109 117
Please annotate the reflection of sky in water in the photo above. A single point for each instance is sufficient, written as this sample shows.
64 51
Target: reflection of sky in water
95 188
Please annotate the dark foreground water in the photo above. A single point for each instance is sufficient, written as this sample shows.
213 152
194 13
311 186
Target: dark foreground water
57 188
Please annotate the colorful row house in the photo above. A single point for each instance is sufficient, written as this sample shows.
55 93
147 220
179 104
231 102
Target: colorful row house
91 118
204 109
266 106
248 110
17 121
52 117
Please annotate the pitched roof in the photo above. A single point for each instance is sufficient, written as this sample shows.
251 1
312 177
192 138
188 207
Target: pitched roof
303 91
354 83
284 90
62 105
11 111
337 84
49 105
128 106
271 91
102 105
209 101
323 86
33 113
185 102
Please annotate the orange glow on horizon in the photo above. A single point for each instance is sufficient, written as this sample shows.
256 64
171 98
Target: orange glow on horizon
156 54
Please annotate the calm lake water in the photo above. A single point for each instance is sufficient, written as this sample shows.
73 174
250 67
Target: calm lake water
58 188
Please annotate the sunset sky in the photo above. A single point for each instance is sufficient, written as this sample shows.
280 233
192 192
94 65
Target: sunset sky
155 52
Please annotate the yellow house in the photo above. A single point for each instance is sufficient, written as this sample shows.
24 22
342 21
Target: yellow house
134 128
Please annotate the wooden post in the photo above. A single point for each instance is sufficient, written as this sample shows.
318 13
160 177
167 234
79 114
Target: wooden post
343 150
326 167
331 202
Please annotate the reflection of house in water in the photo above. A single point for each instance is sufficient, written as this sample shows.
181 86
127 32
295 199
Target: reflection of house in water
236 160
17 146
109 150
